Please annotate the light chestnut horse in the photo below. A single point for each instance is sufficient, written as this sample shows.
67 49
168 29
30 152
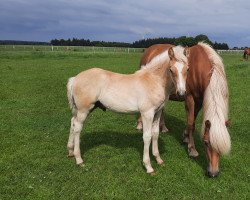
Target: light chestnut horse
246 53
207 88
145 92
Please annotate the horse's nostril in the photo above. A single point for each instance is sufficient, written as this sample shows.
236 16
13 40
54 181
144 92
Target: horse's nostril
212 175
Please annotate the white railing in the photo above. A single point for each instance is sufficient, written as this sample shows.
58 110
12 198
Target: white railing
92 49
230 51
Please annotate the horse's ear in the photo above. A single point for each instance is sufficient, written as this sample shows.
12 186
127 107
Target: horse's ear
186 52
171 53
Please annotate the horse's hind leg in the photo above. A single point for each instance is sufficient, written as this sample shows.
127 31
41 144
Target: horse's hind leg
77 127
155 136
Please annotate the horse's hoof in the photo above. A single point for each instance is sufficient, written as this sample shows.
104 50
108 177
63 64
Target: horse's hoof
193 153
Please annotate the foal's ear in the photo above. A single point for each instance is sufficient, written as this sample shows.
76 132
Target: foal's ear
171 53
186 52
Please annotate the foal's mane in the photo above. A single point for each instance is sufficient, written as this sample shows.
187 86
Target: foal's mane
164 57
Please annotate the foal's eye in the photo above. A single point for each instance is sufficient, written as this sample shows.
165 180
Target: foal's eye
187 69
170 70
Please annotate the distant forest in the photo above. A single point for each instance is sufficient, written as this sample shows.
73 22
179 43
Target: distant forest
144 43
183 40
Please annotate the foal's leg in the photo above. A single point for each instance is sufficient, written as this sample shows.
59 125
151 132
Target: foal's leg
70 144
147 119
139 123
77 127
162 125
155 136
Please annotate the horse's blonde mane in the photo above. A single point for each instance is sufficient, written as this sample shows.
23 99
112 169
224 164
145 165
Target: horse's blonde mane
215 104
163 57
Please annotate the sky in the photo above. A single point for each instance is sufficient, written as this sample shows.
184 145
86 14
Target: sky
125 21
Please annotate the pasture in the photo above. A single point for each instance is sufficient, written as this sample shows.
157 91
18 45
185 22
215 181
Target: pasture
35 122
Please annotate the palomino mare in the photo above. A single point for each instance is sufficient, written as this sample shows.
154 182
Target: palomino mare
144 91
207 87
246 53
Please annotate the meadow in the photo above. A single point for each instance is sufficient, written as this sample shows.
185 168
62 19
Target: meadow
35 122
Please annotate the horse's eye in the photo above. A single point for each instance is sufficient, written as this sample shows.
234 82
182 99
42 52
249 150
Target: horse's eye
187 69
170 70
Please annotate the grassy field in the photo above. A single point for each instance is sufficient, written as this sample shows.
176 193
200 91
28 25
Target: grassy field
34 127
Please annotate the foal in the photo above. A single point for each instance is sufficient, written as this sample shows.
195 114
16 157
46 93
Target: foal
145 92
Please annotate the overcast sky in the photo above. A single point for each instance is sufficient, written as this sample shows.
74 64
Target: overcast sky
128 20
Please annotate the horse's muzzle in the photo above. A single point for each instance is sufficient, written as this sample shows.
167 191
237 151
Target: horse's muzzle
212 175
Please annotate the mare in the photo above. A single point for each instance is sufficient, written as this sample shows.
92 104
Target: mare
246 53
206 86
145 92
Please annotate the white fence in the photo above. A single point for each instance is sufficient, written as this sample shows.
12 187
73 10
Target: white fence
93 49
230 51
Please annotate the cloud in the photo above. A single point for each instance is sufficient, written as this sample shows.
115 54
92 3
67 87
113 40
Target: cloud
112 20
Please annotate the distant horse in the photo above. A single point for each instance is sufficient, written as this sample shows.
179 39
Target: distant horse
207 87
246 53
145 91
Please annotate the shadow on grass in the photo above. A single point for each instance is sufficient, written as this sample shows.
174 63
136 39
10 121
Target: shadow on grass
117 140
176 128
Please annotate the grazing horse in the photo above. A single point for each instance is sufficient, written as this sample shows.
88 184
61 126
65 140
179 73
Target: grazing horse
207 87
145 92
246 53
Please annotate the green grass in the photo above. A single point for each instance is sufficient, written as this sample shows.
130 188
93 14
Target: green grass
34 127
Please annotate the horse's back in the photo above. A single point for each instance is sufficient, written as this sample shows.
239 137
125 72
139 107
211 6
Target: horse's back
153 51
200 71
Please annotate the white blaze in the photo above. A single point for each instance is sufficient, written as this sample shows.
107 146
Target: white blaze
181 84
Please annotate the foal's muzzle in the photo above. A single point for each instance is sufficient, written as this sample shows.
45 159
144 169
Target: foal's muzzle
181 94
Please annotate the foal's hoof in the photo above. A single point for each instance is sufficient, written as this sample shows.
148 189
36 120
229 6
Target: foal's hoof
81 164
193 153
70 155
185 140
139 127
164 130
152 173
162 163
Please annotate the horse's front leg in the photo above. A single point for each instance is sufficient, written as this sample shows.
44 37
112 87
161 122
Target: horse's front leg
147 120
155 136
188 133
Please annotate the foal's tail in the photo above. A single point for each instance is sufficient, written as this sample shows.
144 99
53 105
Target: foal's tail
70 95
215 104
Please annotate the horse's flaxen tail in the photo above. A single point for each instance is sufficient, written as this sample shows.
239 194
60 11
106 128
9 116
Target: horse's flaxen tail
70 94
215 104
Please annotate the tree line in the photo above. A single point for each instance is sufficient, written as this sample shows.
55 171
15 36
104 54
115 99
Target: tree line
144 43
